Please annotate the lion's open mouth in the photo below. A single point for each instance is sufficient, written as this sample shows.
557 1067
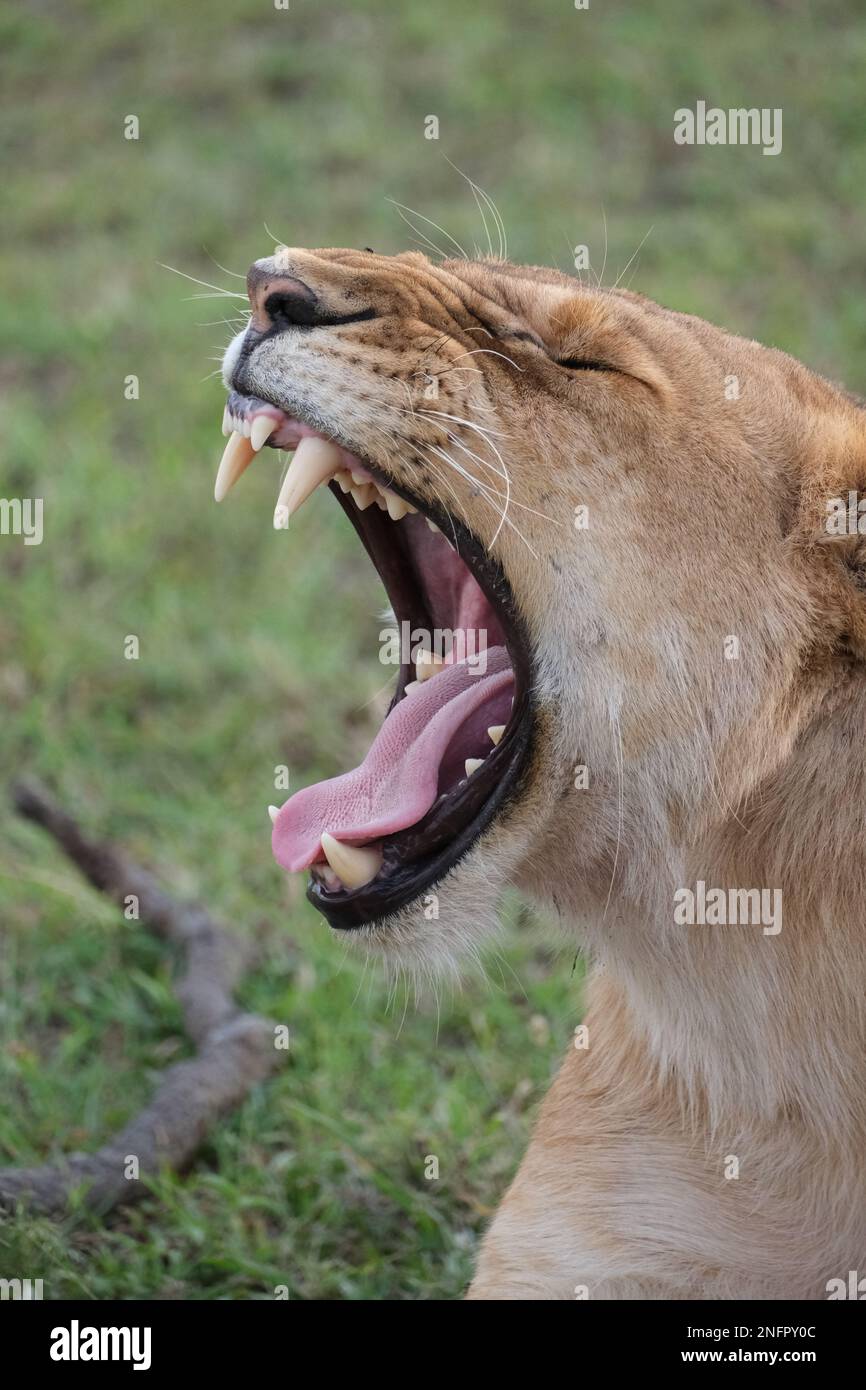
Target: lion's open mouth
457 732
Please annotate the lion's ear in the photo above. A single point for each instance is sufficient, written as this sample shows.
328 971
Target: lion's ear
837 531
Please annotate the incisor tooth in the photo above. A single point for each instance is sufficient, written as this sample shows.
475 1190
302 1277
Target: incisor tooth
239 454
472 765
227 422
261 430
273 812
427 664
354 864
315 460
495 732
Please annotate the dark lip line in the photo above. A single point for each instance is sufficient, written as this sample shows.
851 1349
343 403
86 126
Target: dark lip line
402 879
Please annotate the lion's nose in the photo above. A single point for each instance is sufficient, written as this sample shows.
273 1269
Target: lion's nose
279 301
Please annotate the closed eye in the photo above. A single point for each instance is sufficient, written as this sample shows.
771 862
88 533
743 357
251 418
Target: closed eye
584 364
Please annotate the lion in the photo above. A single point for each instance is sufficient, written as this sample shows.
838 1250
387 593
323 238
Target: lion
657 740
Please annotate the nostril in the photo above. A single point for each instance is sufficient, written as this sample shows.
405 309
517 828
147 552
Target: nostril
284 308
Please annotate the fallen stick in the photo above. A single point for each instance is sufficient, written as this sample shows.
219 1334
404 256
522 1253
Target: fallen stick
234 1050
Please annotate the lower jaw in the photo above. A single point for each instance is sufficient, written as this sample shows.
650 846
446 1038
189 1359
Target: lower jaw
416 859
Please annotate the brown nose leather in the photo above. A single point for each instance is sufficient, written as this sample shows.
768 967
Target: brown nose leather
278 300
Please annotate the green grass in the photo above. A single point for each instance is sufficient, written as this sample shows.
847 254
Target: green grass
257 649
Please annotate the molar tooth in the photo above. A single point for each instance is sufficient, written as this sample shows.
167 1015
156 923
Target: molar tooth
472 765
410 686
363 496
343 481
273 812
315 460
359 478
261 430
495 732
239 454
432 525
427 664
354 864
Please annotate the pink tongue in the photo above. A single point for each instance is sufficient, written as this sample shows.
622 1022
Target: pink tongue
398 781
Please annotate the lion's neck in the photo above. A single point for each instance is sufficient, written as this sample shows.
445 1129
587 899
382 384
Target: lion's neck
756 1005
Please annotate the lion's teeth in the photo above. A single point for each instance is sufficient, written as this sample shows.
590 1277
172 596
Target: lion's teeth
472 765
239 454
273 812
363 496
410 686
343 481
397 508
432 525
359 478
227 422
495 732
354 864
427 664
315 460
261 430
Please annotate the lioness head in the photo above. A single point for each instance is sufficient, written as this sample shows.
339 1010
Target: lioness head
601 525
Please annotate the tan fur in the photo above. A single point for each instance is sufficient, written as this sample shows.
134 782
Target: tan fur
706 520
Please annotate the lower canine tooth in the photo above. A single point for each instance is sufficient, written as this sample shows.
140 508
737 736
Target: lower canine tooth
315 460
239 454
495 732
472 765
427 664
261 430
354 864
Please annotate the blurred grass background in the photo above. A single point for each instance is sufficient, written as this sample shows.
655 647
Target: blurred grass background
257 651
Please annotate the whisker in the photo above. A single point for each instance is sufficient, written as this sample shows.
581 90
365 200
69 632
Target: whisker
430 223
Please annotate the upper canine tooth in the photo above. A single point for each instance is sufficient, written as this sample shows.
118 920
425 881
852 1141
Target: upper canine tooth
427 664
239 454
397 508
495 732
315 460
472 765
261 430
227 422
354 864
